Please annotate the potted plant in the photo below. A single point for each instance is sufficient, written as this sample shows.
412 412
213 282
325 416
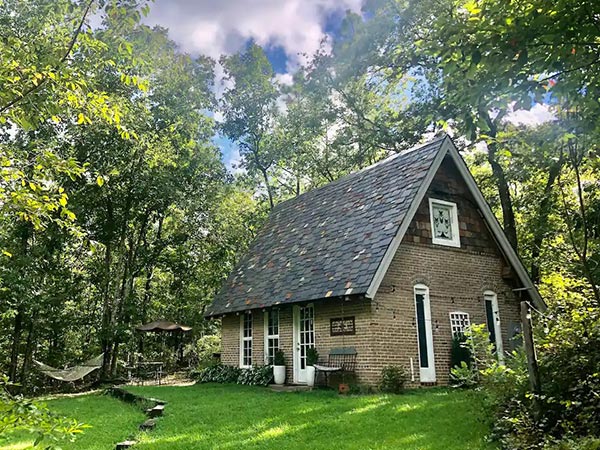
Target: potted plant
279 367
312 357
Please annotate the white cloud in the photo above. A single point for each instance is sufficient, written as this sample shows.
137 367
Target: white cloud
537 115
217 27
286 79
233 161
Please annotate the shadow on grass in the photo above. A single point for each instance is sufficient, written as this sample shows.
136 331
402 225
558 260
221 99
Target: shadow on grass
232 417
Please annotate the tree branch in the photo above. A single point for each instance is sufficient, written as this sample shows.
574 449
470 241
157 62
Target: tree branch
68 51
574 69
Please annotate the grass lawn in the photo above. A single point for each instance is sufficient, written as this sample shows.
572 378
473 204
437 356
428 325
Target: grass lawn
213 416
232 417
110 419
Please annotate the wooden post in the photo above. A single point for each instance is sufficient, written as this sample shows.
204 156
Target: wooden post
532 364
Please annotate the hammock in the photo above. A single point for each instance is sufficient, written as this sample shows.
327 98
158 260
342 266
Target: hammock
71 373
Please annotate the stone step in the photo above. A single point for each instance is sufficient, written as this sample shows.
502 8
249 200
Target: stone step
125 444
156 411
148 425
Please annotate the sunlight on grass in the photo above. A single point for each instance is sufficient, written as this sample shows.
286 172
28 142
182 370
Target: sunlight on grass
232 417
273 432
20 446
110 421
373 404
224 417
408 407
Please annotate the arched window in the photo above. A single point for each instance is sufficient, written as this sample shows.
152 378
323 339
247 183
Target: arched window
492 314
424 334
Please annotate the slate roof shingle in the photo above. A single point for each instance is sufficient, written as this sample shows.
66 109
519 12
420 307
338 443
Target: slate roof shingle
327 242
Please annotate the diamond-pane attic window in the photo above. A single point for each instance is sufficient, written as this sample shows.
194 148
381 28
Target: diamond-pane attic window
444 223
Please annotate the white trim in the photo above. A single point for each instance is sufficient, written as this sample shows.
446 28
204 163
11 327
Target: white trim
296 344
447 147
244 339
268 336
406 221
496 230
466 319
454 228
493 298
426 374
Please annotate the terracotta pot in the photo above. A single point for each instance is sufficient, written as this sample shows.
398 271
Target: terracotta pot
279 374
343 388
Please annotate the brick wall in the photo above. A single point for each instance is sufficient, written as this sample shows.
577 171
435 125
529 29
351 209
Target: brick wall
386 331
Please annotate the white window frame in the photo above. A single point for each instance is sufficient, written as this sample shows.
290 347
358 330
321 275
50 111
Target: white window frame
246 338
270 336
459 321
426 374
455 241
491 296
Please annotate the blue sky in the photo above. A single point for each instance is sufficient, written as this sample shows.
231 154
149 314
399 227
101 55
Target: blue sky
286 29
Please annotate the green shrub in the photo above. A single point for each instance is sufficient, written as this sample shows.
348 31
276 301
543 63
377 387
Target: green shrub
463 376
256 376
220 373
312 356
393 379
19 413
566 415
279 358
460 351
575 444
199 354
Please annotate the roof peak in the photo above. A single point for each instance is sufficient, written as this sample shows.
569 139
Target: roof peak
350 176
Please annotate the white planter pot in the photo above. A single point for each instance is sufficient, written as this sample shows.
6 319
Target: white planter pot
310 375
279 374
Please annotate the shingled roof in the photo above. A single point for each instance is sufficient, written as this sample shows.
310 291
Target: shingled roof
338 240
329 241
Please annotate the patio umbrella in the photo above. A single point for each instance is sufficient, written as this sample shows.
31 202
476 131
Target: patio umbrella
161 326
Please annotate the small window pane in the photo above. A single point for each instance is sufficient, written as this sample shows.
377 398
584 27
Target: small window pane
442 222
246 346
272 337
459 322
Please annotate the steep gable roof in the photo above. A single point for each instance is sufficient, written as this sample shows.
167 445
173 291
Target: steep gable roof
339 239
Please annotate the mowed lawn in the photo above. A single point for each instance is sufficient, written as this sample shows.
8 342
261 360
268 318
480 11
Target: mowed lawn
213 416
232 417
110 421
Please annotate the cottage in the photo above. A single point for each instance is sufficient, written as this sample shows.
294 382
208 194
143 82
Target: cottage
392 261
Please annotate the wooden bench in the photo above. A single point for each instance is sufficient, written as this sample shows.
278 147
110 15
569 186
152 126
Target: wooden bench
340 359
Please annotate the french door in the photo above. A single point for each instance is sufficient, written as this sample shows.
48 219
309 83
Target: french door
304 338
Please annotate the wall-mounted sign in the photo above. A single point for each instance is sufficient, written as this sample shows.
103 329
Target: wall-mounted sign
342 326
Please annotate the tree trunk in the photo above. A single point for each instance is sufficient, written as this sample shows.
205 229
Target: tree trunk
539 233
105 338
16 343
28 348
508 214
268 186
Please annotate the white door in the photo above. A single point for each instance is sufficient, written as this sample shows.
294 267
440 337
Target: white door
304 338
424 334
